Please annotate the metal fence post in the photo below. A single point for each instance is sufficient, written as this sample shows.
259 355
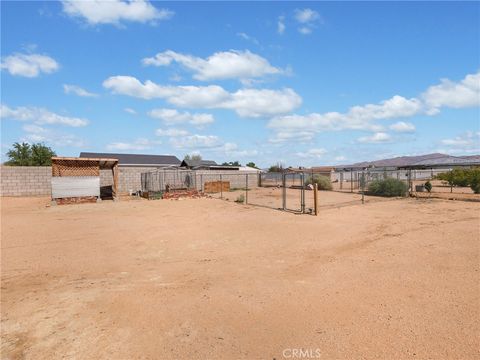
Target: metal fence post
284 192
315 198
302 185
246 188
221 187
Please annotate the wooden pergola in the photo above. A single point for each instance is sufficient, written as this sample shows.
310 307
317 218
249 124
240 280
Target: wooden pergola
85 167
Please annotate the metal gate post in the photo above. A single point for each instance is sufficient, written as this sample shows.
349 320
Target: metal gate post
284 192
302 184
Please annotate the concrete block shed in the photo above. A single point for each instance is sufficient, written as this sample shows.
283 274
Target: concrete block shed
76 179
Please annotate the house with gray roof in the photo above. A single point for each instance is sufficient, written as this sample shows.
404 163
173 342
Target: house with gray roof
136 160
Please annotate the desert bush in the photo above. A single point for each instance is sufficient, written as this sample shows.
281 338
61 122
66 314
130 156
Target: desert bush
240 199
323 182
428 186
388 187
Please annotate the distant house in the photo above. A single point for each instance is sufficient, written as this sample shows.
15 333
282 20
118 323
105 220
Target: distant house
136 160
198 164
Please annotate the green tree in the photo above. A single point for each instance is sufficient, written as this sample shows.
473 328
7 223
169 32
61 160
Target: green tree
25 154
252 164
20 155
231 163
278 167
42 155
193 157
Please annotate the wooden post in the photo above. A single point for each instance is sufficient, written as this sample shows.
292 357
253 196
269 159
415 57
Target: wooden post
115 181
221 187
315 198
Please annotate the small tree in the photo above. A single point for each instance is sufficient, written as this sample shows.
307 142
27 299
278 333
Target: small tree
252 164
428 186
278 167
193 157
25 154
231 163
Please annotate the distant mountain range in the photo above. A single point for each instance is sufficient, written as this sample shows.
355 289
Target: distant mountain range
419 159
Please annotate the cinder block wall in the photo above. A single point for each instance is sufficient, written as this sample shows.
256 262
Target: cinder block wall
25 180
36 180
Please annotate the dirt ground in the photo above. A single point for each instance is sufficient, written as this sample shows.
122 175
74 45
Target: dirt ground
205 278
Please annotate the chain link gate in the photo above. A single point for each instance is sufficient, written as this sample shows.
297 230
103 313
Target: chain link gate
293 192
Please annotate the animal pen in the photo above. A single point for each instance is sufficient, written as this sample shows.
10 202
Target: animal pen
76 180
282 191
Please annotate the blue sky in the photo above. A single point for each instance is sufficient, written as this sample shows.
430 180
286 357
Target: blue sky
303 83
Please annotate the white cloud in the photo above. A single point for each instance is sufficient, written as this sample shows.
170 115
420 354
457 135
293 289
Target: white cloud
469 138
312 153
172 116
247 37
138 144
77 90
466 143
465 93
304 30
96 12
172 132
231 64
379 137
245 102
365 117
29 65
403 127
130 111
295 135
196 142
281 25
307 18
36 134
40 116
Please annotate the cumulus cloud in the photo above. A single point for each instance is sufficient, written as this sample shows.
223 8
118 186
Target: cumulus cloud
245 102
464 93
231 64
379 137
36 134
40 116
77 90
312 153
96 12
29 65
403 127
466 143
138 144
172 132
281 25
196 142
173 116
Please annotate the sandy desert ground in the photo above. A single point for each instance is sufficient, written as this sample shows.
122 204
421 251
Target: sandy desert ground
205 278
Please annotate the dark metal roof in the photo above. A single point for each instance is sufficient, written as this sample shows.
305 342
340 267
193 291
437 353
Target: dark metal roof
136 159
196 163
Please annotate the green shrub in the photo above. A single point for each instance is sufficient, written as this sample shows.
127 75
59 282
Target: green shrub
474 180
323 182
388 187
428 186
240 199
462 178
